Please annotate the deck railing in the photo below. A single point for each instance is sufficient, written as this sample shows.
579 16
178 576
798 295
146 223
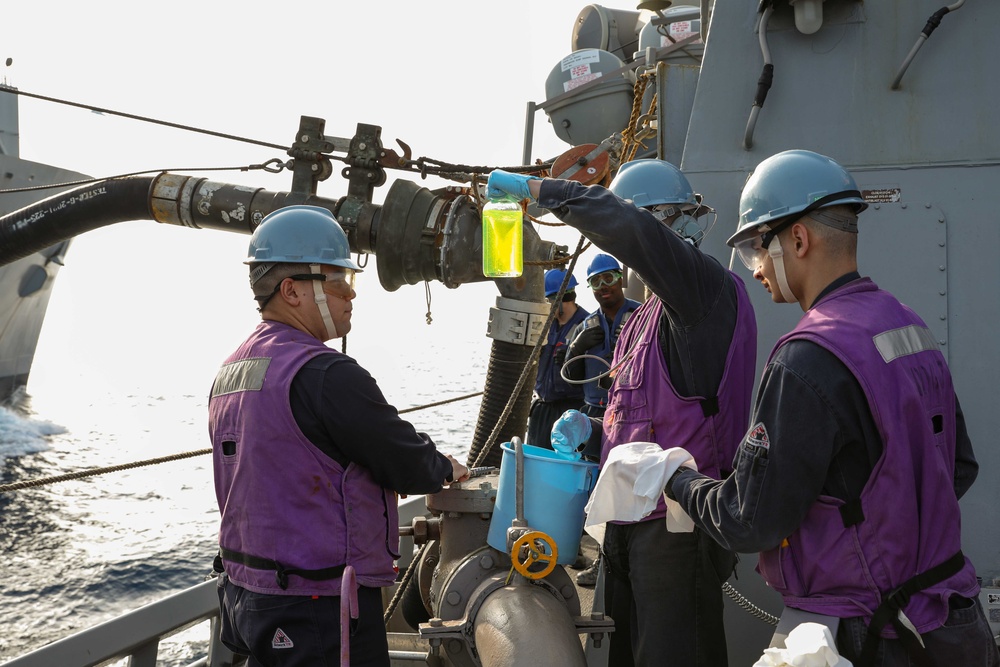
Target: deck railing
136 635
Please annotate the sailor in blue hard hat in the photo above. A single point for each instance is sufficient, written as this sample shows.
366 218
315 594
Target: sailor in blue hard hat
553 281
303 235
553 395
660 187
309 459
784 189
848 480
684 372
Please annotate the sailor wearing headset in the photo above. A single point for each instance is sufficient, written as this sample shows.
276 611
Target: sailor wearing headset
688 378
553 395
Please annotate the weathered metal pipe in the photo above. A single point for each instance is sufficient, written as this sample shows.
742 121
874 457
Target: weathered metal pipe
506 630
191 201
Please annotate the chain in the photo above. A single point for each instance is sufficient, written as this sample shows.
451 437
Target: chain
532 358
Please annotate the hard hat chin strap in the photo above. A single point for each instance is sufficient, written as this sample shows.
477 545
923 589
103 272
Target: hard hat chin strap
776 253
319 296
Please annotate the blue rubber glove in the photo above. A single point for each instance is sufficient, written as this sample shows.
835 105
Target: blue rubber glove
505 184
570 433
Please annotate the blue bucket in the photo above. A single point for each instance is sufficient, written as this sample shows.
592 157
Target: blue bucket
555 492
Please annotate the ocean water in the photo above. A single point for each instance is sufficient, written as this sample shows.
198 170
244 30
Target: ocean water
80 552
124 364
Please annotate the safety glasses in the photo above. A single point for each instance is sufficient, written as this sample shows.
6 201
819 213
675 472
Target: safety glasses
602 279
340 284
752 251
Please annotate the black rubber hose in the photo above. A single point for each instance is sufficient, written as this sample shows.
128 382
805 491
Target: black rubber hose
71 213
412 605
507 362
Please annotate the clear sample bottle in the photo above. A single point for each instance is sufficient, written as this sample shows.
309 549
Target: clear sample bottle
503 239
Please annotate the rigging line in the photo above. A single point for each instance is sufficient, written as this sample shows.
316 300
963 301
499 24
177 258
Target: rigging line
544 223
4 488
444 402
446 166
17 486
419 165
403 583
265 166
559 261
145 119
532 359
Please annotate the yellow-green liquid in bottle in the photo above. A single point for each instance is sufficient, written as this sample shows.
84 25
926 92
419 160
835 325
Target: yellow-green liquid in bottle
503 240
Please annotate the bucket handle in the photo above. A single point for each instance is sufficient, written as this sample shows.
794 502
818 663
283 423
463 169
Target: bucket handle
519 482
590 481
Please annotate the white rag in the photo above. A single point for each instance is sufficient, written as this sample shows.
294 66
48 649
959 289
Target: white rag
630 483
807 645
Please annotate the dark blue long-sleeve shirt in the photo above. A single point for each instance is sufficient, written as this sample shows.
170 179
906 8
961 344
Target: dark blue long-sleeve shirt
698 294
823 440
340 409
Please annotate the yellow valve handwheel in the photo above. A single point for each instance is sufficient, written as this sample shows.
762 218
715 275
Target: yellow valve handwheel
539 548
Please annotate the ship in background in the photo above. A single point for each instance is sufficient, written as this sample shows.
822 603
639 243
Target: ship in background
26 284
912 119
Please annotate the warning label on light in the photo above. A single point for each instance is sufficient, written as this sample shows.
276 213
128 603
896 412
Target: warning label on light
578 81
580 57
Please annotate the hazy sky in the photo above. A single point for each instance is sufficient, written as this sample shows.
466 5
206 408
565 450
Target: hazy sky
449 78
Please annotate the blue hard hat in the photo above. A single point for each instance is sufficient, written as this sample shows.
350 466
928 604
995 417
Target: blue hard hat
787 186
602 263
649 182
554 279
298 234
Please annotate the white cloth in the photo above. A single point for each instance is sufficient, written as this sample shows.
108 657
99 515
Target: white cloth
807 645
630 483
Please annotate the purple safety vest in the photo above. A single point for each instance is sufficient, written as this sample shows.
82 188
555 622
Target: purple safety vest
281 498
911 517
644 407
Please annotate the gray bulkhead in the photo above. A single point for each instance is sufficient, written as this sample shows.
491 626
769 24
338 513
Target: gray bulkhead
928 154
